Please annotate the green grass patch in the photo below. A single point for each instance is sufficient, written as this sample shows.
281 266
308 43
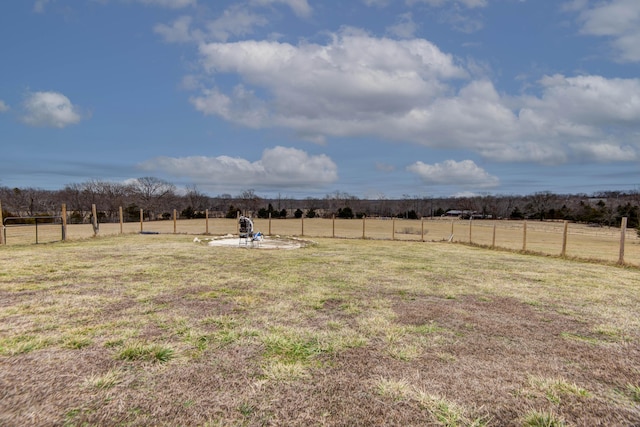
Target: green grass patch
21 344
146 353
76 343
441 411
542 419
291 347
634 392
285 371
106 380
395 389
556 389
581 338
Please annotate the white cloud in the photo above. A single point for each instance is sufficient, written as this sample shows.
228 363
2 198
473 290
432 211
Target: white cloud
3 107
405 28
237 20
190 82
574 5
592 100
617 19
577 118
39 5
340 87
299 7
465 173
407 90
605 152
50 109
462 15
611 18
462 22
476 118
242 107
279 166
628 46
177 32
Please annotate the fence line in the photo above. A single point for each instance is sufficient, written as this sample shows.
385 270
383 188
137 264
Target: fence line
1 222
562 239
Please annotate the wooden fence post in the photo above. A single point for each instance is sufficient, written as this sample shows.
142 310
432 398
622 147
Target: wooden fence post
422 228
64 221
175 221
565 232
623 234
470 229
393 228
94 222
363 226
269 223
121 218
141 219
302 225
524 236
333 232
206 221
493 239
1 226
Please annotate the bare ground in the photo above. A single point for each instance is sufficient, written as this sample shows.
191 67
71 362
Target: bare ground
495 349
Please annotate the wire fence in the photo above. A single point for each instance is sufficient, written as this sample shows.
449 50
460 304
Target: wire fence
610 244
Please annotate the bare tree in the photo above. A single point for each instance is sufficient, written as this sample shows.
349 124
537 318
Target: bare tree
249 201
29 201
381 206
112 197
467 205
540 203
197 200
337 200
153 194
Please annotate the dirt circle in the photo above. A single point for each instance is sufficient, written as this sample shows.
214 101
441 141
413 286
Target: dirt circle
267 242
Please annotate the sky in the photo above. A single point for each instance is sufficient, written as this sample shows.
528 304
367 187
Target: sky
305 98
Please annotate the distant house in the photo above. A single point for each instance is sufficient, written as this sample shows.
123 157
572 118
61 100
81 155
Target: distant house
465 214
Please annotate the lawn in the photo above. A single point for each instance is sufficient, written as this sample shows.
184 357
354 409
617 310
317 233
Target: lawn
161 330
542 237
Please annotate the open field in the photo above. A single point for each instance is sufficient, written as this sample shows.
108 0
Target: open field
584 242
160 330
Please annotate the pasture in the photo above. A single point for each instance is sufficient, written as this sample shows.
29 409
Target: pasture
160 330
582 242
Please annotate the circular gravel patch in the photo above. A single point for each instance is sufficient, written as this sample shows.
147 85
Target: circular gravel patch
267 242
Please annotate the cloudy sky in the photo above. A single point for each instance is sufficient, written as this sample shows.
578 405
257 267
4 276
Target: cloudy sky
375 98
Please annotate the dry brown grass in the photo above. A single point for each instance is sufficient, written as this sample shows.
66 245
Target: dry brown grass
583 242
159 330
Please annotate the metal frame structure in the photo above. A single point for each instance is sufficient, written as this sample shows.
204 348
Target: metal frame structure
6 223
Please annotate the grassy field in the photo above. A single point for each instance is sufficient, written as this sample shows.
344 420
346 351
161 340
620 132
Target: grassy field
139 330
583 242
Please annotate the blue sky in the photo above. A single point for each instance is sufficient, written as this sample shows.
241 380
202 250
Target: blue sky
303 98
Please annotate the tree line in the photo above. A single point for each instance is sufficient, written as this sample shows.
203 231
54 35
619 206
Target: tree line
158 199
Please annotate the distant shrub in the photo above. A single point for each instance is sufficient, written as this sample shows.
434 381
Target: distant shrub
345 212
